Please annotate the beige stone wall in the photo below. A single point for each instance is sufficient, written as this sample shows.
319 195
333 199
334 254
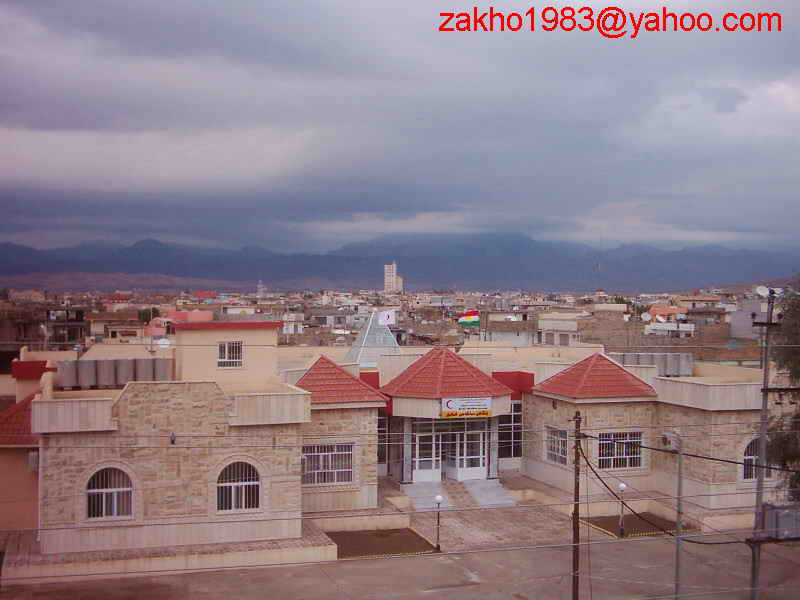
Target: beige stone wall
345 425
174 484
706 484
538 412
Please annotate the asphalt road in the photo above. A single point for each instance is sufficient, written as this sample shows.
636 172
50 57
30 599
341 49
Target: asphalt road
614 571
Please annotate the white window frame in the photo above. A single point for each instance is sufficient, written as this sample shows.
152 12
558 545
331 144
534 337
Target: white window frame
328 464
110 497
238 489
619 450
514 428
230 354
750 459
556 445
383 440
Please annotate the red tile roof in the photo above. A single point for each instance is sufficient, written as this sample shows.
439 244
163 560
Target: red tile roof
15 425
596 376
329 383
29 369
228 325
442 373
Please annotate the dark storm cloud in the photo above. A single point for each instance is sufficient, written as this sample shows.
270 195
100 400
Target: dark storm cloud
303 127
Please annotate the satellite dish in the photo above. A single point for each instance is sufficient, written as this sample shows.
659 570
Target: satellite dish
762 291
646 317
660 319
164 343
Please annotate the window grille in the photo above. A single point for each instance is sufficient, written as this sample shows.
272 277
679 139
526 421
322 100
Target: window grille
238 487
557 445
750 460
509 433
230 354
620 450
109 493
327 463
383 439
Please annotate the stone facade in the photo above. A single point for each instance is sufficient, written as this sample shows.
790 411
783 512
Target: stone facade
539 412
707 484
340 426
174 498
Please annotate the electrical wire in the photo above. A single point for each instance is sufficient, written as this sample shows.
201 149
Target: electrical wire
645 519
560 545
711 458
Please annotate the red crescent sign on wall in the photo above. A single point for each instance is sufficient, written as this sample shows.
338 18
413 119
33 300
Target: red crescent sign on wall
453 408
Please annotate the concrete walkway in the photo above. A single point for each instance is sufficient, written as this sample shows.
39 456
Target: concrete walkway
489 492
423 495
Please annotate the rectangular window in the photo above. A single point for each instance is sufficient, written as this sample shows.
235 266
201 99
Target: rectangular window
230 354
327 463
510 433
383 438
557 445
115 503
620 450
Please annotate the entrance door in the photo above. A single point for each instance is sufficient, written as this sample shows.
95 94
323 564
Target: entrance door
427 458
468 459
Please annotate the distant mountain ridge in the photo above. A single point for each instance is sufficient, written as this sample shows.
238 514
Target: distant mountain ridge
467 261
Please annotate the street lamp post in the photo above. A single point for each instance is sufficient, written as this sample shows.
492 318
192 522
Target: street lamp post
439 499
622 488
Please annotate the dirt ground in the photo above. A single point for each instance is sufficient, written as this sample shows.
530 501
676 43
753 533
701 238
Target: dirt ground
635 526
385 542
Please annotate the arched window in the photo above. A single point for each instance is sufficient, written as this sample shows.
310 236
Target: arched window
750 460
238 487
109 493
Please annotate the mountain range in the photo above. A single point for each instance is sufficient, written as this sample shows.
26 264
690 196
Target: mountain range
487 261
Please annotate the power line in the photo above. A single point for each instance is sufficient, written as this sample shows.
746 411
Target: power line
712 458
390 557
740 344
101 525
645 519
503 427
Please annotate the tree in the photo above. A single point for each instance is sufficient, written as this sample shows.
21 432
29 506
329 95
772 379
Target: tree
783 443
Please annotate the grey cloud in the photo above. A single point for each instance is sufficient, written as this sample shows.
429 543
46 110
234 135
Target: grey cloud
546 134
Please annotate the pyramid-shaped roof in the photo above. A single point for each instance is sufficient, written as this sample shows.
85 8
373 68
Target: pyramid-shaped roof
330 383
373 340
15 425
596 376
442 373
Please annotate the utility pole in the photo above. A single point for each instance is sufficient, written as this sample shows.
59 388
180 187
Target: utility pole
758 526
576 529
677 441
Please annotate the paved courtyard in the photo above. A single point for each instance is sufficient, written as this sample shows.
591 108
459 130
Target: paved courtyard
474 529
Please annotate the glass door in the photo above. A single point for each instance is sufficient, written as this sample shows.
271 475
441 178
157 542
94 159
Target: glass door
470 458
427 457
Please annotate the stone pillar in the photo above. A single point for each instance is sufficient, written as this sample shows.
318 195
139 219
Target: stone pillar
407 441
494 447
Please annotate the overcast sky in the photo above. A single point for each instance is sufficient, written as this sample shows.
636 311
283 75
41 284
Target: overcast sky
301 126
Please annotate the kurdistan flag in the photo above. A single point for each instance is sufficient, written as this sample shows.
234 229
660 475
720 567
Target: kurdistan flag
471 317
